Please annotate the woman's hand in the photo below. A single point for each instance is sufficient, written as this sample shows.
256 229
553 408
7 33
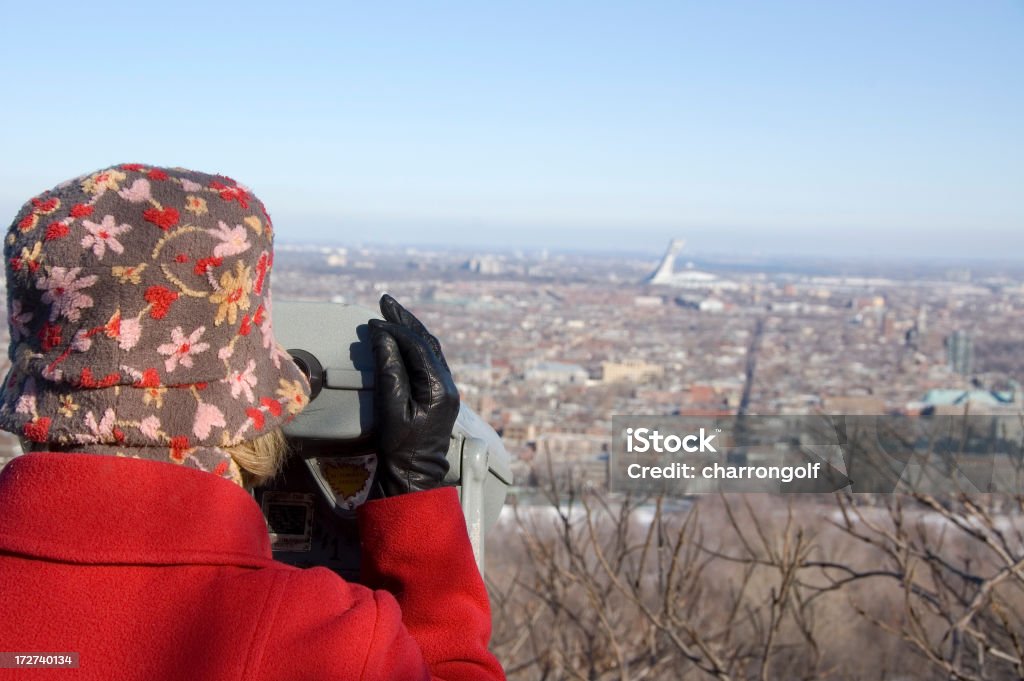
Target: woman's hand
415 402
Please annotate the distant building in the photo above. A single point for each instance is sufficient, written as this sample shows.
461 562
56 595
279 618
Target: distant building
887 327
556 372
665 271
921 324
912 338
665 274
972 398
702 304
960 352
484 264
633 370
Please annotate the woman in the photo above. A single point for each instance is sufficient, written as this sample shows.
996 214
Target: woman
146 378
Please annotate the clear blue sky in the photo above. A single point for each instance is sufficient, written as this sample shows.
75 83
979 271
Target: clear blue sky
872 126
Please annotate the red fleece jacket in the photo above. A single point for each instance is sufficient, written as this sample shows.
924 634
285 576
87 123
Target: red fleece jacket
153 571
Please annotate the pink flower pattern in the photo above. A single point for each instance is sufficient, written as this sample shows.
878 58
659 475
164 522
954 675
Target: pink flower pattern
181 348
243 382
103 431
103 236
63 292
234 240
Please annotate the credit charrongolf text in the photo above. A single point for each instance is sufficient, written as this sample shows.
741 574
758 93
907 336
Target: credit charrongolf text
716 471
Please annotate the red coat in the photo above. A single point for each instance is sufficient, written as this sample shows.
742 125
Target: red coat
153 571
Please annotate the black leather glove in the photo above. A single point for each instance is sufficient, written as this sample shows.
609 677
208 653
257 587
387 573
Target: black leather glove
415 403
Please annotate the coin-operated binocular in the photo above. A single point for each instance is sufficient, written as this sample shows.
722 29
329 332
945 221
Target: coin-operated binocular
310 507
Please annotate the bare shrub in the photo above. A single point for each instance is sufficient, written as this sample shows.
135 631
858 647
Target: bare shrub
593 586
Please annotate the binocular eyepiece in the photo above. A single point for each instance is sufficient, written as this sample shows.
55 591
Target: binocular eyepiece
311 368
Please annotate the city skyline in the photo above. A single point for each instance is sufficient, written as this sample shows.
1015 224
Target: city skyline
962 245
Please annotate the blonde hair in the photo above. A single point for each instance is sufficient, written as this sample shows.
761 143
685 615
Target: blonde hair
260 459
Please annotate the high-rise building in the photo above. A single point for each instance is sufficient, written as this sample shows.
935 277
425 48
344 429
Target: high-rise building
960 352
922 321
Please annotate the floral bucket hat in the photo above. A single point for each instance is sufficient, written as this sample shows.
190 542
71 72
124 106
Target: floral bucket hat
139 310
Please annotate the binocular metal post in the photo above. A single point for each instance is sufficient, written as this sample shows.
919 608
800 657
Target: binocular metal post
474 474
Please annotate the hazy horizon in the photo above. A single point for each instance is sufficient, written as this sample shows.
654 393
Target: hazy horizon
960 246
